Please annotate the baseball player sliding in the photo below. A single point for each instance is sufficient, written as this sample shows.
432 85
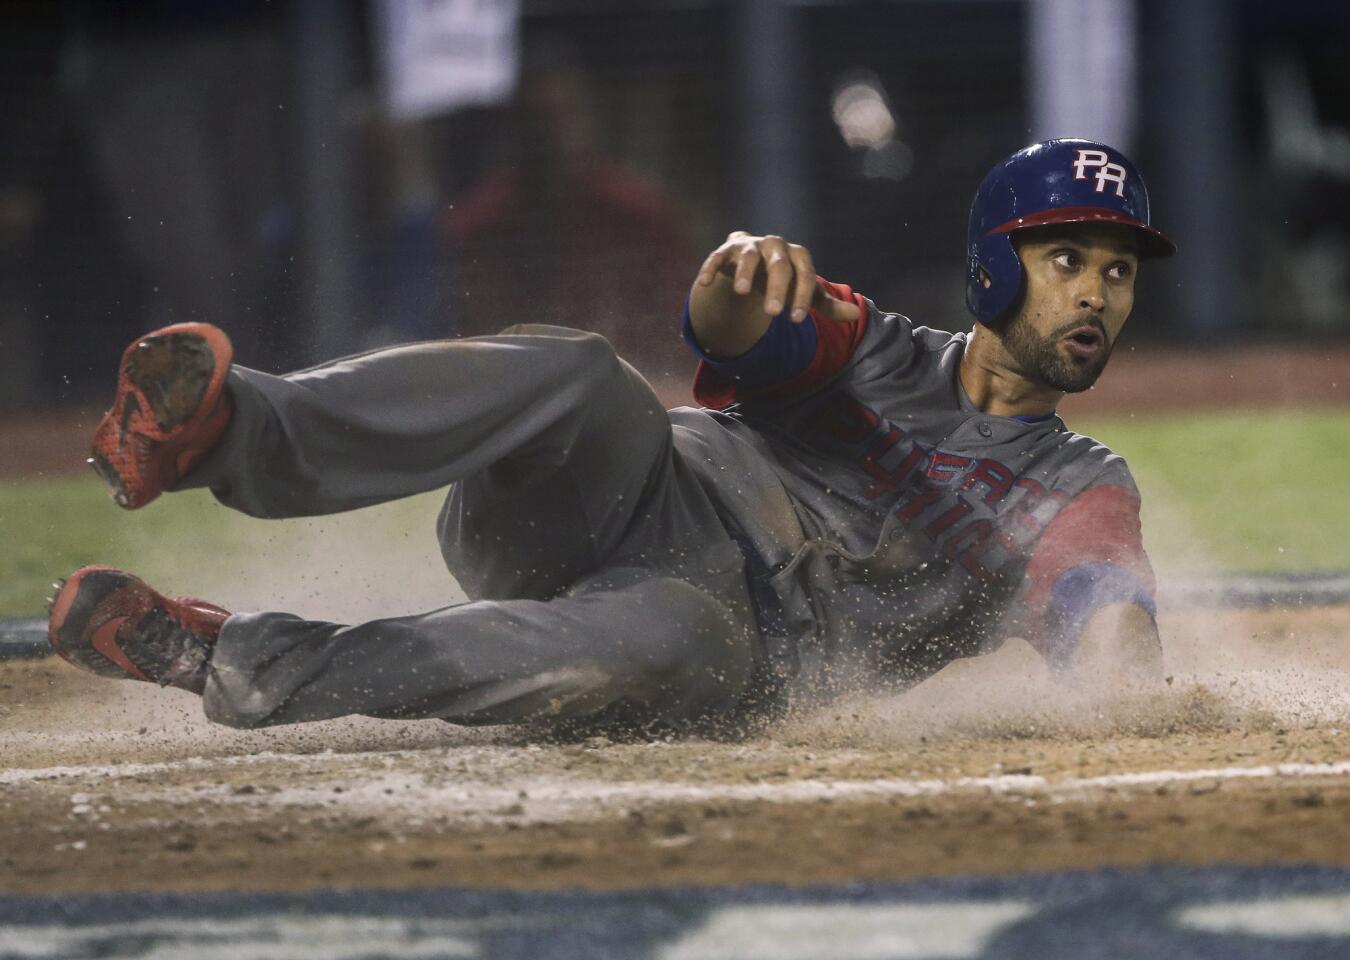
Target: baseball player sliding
857 497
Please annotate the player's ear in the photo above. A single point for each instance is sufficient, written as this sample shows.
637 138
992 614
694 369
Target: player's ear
1000 323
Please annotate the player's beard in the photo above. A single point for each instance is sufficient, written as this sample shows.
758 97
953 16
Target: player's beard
1039 357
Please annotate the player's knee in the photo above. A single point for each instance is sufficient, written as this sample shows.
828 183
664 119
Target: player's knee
701 637
567 342
575 356
592 355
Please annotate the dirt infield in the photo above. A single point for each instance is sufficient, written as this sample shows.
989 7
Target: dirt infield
992 767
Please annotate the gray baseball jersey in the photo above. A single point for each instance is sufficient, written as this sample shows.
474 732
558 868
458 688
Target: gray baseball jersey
890 524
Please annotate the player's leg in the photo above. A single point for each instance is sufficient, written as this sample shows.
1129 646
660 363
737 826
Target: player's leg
540 515
567 470
553 439
618 493
673 651
403 420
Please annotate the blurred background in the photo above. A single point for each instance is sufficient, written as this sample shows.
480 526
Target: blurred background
323 176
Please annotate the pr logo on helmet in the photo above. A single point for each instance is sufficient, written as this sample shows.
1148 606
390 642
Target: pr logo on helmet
1107 172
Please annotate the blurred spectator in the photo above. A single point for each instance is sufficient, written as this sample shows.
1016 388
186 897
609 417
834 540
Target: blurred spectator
184 106
63 292
442 67
558 232
1304 226
407 281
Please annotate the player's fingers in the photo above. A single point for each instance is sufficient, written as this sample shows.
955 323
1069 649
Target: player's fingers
747 260
723 258
831 309
778 274
716 260
804 287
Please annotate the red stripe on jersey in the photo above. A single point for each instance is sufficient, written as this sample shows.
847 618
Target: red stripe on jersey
836 342
1100 525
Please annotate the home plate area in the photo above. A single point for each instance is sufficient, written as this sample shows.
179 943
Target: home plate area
1229 913
990 812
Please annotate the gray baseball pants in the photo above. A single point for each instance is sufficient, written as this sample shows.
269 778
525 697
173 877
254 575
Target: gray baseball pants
601 581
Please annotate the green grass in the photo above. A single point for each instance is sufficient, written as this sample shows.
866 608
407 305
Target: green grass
186 542
51 528
1241 491
1222 492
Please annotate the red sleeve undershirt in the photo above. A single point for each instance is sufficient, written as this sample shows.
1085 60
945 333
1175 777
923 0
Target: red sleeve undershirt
1090 555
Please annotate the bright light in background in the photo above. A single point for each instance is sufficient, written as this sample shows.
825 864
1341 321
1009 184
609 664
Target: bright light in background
866 122
861 112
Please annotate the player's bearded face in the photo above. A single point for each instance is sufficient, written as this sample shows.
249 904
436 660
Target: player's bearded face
1040 356
1079 291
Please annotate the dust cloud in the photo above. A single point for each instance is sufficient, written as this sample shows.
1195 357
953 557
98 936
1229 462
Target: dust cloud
379 562
1239 671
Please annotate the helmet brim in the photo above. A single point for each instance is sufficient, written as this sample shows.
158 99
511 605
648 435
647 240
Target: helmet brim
1153 243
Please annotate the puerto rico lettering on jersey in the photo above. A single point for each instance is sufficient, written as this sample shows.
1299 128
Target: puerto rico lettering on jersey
936 492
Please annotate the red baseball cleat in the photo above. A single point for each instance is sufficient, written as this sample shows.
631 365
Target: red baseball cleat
113 624
170 409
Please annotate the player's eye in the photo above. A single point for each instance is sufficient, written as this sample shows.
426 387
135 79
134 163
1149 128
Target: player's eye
1067 259
1119 271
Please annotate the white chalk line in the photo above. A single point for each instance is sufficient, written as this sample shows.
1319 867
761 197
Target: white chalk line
444 790
122 771
553 799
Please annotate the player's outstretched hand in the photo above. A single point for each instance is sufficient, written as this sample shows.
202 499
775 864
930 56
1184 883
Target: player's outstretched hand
780 272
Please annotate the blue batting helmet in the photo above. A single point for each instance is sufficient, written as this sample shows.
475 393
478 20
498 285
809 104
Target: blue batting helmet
1058 181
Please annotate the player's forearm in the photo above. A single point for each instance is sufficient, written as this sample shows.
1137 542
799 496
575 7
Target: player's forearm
725 323
1119 646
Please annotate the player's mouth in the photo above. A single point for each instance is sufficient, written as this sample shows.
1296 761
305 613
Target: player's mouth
1084 342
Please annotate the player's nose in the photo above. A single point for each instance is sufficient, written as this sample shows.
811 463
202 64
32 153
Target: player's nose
1092 295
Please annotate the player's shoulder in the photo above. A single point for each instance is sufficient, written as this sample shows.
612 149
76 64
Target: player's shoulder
889 331
1095 462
